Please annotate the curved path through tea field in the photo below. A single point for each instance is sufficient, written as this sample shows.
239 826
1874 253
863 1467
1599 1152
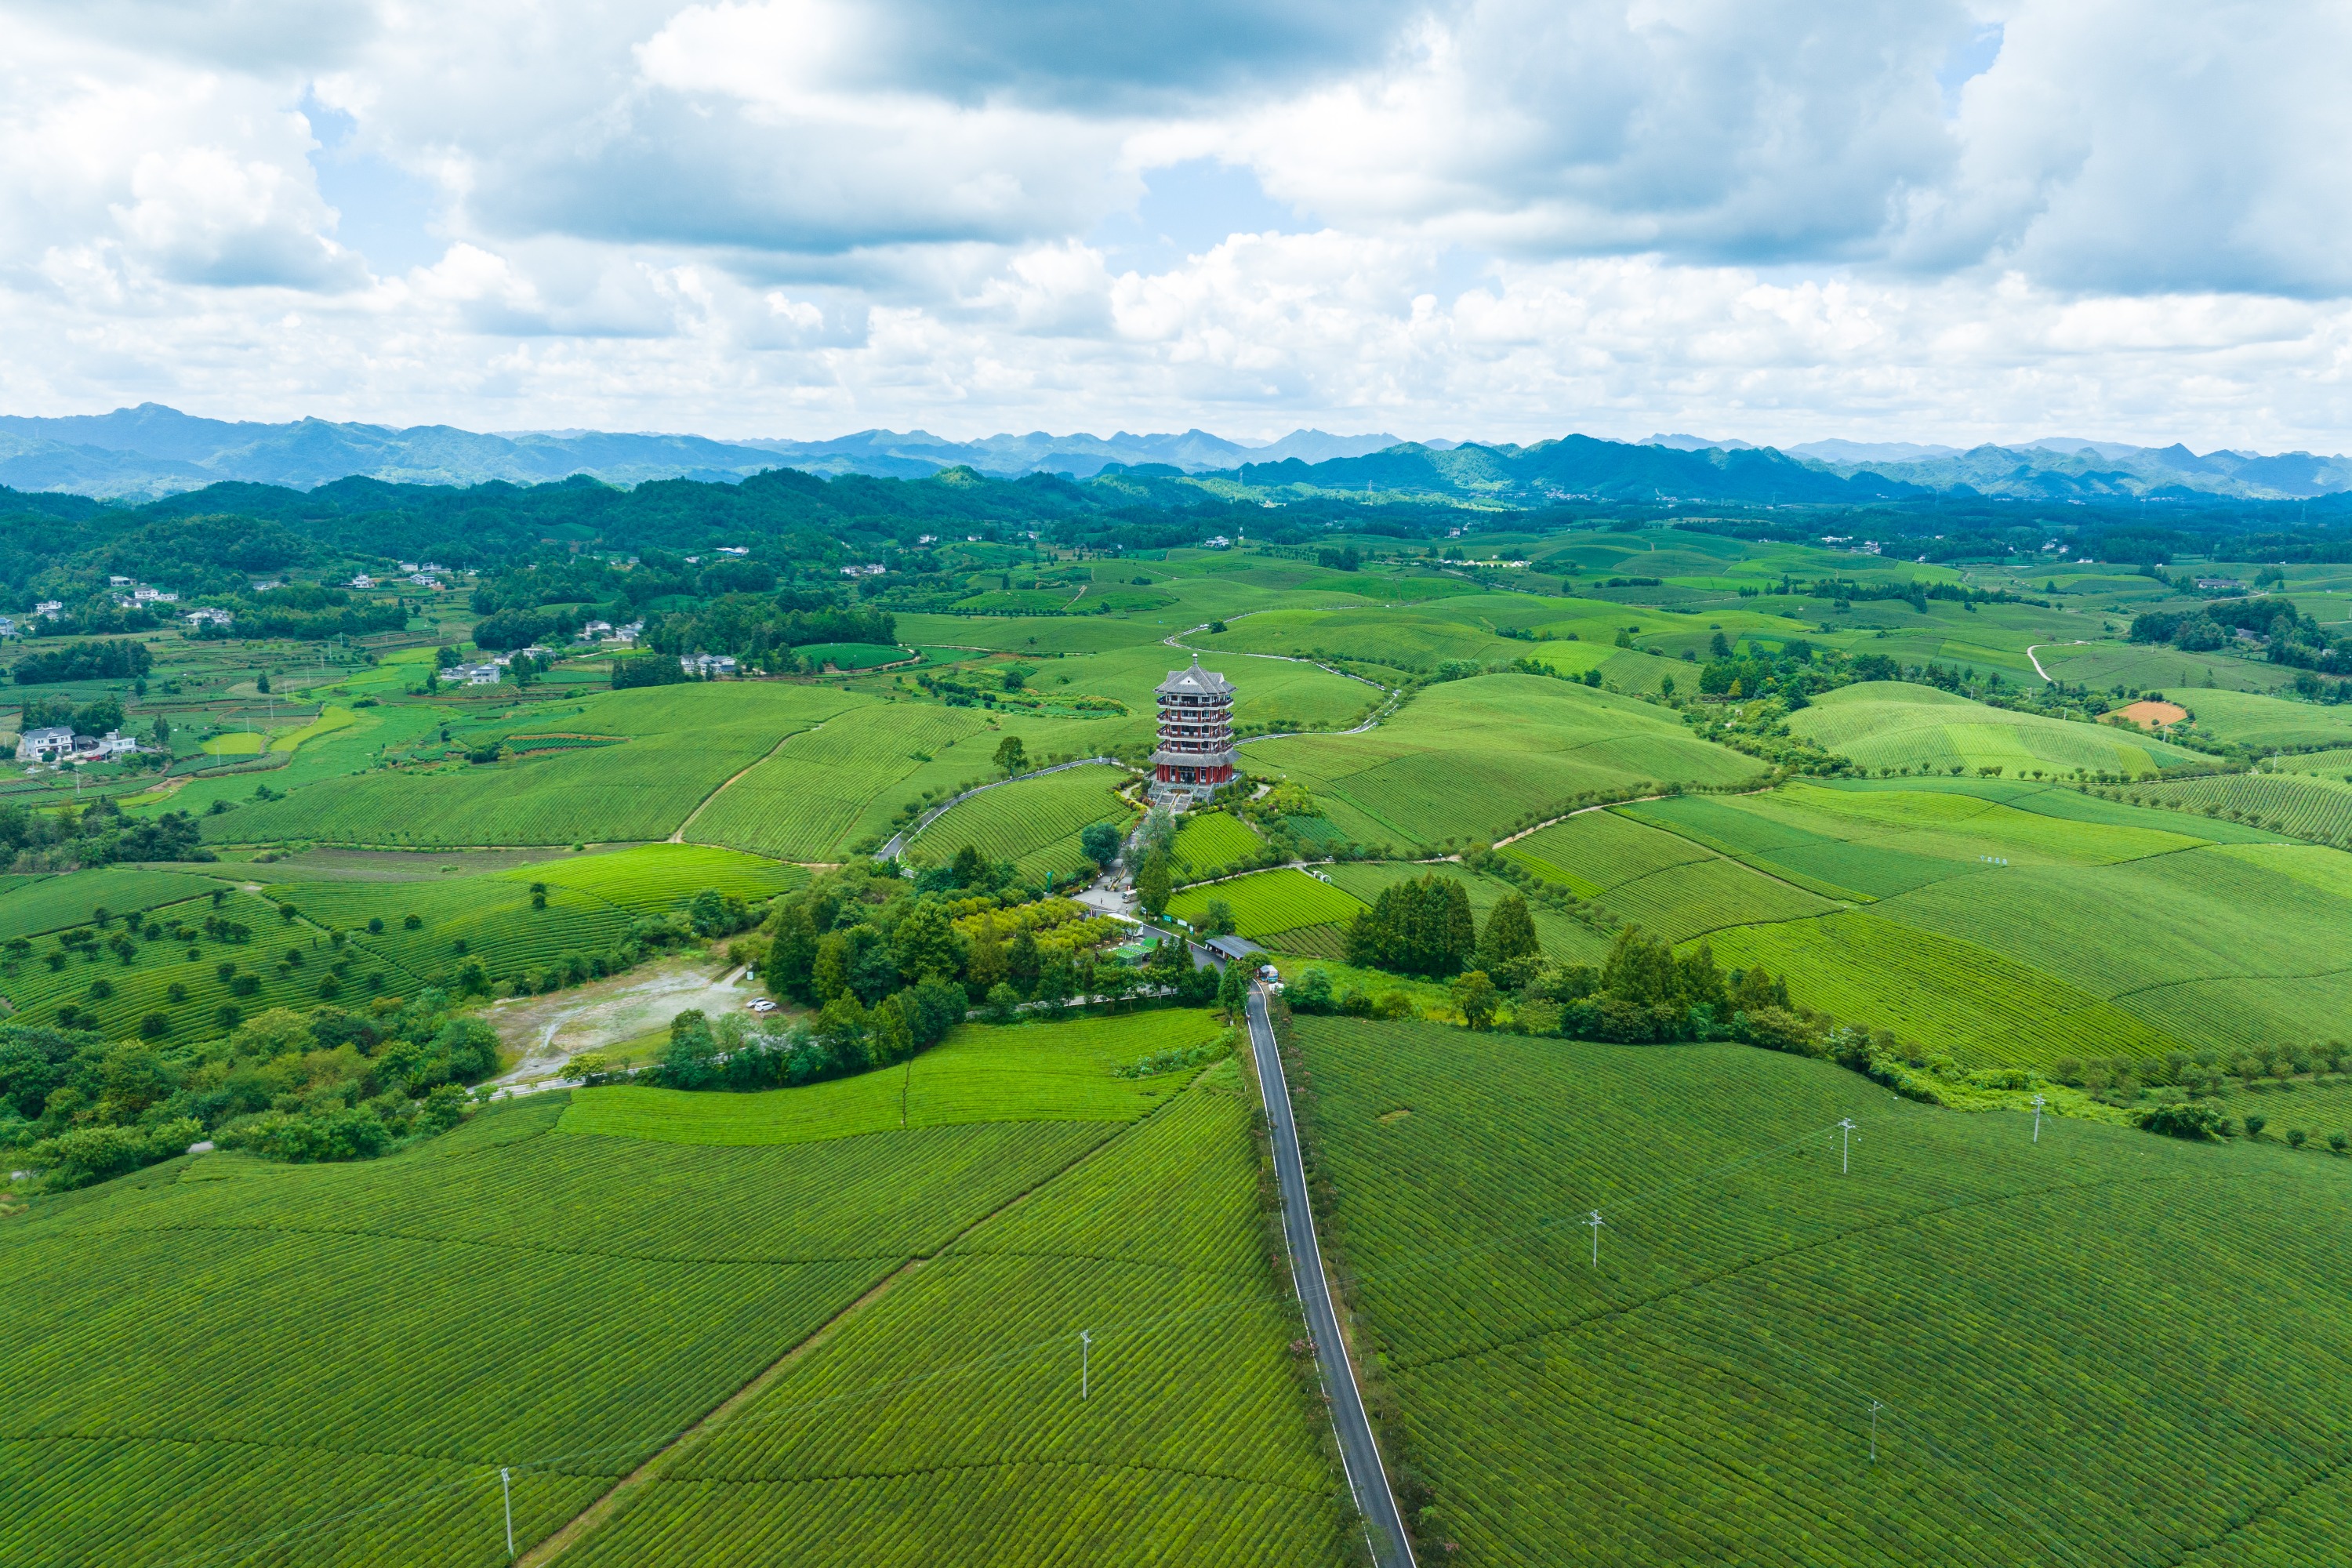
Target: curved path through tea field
1367 1477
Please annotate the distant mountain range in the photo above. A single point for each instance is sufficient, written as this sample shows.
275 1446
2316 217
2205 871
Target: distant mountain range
2069 469
151 450
142 453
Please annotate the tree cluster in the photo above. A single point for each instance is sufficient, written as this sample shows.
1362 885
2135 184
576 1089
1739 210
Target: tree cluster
325 1085
117 658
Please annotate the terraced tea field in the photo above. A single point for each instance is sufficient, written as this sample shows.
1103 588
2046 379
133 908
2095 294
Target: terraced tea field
827 788
1063 1071
2317 807
1267 904
2000 922
31 906
1891 724
169 1424
2254 719
1753 1309
1208 842
1034 823
1475 759
681 744
944 1423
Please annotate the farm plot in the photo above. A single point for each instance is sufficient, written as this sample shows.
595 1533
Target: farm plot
337 753
841 784
1058 1071
1752 1304
1594 852
1472 760
1034 823
1938 991
1265 903
854 654
943 1423
1888 724
803 803
152 1414
1209 842
682 743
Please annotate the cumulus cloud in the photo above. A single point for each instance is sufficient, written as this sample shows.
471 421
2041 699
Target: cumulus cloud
1938 218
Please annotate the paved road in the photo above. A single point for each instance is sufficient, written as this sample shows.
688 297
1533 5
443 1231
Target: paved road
1366 1475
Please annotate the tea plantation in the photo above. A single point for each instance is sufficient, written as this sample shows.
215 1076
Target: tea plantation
2060 1342
437 1102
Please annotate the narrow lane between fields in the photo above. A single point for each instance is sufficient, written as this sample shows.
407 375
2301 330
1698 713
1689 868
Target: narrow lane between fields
1367 1476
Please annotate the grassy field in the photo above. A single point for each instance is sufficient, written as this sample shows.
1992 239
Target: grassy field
1034 823
1892 724
680 744
1208 842
153 1418
1471 760
1265 903
1705 1392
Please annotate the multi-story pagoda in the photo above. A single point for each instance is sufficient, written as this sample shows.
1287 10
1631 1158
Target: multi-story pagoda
1196 735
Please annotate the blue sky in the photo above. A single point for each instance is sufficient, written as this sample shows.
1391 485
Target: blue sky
1938 220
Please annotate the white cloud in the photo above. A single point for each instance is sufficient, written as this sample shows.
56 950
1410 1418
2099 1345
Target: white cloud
795 216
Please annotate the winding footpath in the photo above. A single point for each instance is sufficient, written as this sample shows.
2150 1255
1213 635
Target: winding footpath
1367 1477
2031 655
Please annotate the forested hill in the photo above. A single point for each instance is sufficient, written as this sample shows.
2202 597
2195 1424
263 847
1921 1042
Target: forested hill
805 525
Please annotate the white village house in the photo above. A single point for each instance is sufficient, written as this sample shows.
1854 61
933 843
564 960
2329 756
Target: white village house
59 744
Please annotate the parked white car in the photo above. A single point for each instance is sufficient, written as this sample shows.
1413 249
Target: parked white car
761 1005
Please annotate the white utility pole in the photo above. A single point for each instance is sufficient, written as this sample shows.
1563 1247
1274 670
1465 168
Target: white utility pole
1875 1408
1845 1145
1085 1351
1595 1222
505 1494
2038 1103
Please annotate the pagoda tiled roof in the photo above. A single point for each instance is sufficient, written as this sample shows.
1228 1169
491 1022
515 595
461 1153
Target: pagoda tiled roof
1203 682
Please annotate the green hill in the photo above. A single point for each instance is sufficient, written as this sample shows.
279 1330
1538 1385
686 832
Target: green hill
1896 725
2060 1342
1476 758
